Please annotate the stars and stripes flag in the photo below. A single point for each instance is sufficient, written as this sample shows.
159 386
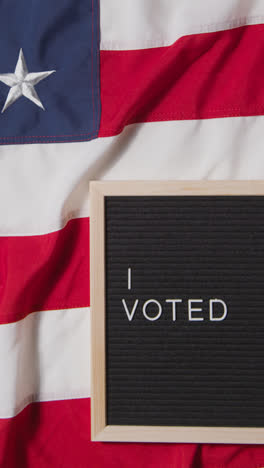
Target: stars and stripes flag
116 89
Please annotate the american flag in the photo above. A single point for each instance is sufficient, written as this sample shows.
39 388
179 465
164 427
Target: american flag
116 89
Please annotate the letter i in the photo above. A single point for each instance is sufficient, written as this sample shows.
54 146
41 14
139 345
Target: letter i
129 278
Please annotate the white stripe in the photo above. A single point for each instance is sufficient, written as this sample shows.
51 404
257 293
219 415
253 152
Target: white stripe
45 356
140 24
42 186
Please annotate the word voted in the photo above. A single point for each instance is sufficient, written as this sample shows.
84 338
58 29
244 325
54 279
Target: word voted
152 309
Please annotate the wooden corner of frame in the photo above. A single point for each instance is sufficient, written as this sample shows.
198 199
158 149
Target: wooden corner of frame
97 436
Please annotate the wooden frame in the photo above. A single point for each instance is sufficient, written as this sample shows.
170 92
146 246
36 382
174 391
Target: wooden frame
100 431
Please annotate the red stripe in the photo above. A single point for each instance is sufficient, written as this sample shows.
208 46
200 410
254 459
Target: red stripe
199 77
44 272
57 434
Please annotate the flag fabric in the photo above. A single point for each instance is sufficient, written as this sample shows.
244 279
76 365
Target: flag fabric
116 89
42 63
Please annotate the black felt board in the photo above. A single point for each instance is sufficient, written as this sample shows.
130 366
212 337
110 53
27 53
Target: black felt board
175 373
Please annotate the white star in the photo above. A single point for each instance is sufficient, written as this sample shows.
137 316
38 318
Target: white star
22 83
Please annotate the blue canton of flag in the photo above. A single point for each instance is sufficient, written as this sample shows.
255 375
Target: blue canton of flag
49 71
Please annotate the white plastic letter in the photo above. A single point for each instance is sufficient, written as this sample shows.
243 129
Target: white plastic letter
129 278
174 307
131 314
145 312
192 309
211 310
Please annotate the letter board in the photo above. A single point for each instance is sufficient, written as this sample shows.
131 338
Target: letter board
177 302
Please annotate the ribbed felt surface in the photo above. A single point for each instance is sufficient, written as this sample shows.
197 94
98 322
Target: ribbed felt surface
183 372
